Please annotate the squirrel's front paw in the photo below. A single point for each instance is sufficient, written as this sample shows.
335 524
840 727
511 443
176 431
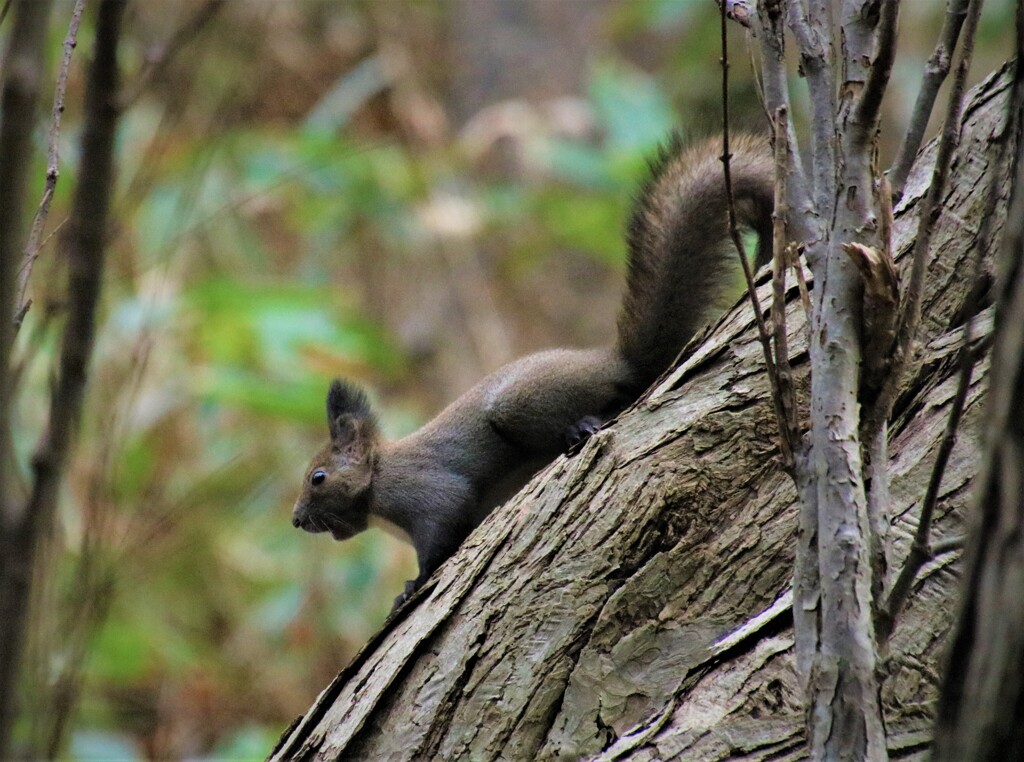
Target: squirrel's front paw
410 588
580 432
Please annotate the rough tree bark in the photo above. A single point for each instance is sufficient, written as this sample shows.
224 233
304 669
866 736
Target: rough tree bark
634 600
981 710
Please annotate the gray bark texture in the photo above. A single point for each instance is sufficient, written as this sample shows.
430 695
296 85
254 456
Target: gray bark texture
633 601
980 713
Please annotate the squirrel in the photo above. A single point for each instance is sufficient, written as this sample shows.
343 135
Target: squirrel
437 484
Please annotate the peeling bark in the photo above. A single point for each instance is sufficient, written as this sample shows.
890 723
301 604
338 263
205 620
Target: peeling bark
633 601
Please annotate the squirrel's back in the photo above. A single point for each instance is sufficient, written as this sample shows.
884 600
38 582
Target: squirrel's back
678 240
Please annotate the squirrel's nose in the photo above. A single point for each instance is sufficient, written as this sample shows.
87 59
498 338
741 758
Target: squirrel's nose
299 511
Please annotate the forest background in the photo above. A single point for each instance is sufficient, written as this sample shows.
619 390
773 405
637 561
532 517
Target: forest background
404 193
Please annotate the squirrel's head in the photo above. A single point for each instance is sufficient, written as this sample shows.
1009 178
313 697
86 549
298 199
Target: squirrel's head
336 493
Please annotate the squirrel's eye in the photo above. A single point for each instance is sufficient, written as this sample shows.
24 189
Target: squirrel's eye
318 478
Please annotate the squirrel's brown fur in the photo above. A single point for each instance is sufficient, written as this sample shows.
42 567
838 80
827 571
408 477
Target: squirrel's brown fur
438 483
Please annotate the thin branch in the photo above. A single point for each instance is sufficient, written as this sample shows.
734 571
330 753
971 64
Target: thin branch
935 72
921 550
931 208
804 223
158 60
793 261
814 43
806 574
785 443
879 500
947 545
869 45
86 246
870 103
784 372
52 165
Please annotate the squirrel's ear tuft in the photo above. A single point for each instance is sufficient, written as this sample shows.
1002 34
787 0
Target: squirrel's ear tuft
344 398
346 404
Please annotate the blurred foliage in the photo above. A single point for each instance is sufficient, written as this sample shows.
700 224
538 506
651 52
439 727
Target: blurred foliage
296 203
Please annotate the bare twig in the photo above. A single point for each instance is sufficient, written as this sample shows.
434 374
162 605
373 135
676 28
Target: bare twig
804 223
787 397
793 261
158 60
935 72
785 442
920 548
52 165
881 302
886 220
931 207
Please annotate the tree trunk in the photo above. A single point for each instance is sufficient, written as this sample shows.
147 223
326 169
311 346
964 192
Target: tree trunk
22 71
634 599
981 710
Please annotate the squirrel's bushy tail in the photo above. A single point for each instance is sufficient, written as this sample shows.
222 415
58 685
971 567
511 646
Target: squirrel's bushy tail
680 251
